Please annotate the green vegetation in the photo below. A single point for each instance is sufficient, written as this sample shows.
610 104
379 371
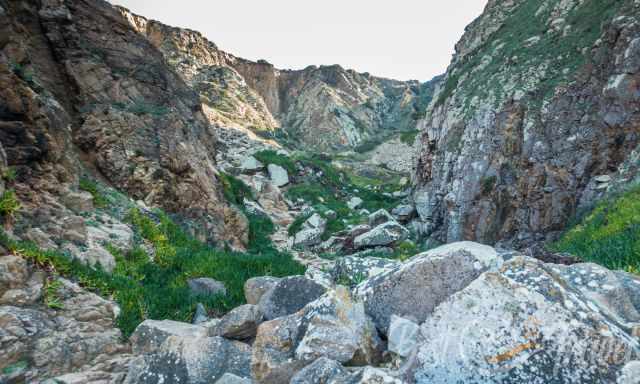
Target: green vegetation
563 51
409 137
272 157
15 367
88 185
609 235
10 175
488 183
52 294
235 191
9 204
296 226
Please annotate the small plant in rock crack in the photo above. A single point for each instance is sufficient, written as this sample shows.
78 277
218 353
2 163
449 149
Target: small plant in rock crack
9 204
52 294
10 175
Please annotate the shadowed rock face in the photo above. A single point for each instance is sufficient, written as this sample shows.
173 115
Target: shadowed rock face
81 86
527 118
325 108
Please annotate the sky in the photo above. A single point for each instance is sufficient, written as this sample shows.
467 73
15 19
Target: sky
398 39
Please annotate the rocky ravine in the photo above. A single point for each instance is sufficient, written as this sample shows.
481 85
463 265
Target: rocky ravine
537 112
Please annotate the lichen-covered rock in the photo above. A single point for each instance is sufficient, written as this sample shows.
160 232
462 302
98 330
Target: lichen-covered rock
404 335
230 378
311 232
150 334
355 202
278 175
352 270
240 323
384 234
322 371
415 288
288 296
256 287
404 213
189 360
526 323
206 286
251 164
336 327
380 216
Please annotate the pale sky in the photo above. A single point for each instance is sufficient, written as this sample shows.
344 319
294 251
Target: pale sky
399 39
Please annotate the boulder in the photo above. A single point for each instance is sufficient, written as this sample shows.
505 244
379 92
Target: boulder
355 202
191 360
272 361
278 175
200 316
404 213
384 234
334 244
331 214
371 375
336 327
254 208
13 272
255 287
205 286
529 323
404 335
323 370
150 334
240 323
78 202
250 164
230 378
351 270
414 288
311 233
380 216
288 296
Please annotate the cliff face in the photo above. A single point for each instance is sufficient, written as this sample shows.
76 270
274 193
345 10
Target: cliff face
81 89
541 98
321 108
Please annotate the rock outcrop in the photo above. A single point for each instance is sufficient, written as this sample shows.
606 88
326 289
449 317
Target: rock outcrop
540 99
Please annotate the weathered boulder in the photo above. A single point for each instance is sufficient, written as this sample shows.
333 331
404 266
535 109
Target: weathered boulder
404 213
311 233
255 287
240 323
230 378
13 272
288 296
529 323
414 288
78 202
336 327
206 286
380 216
371 375
251 164
278 175
352 270
150 334
191 360
404 335
355 202
322 371
273 360
384 234
200 316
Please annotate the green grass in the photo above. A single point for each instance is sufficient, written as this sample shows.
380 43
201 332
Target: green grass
267 157
10 175
609 235
88 185
157 289
9 204
235 191
409 137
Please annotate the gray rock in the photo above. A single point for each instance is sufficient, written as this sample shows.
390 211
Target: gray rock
205 286
278 175
254 208
404 336
150 334
602 179
330 214
402 194
78 202
535 322
355 202
230 378
334 244
380 216
351 270
322 371
371 375
384 234
189 360
336 327
630 374
201 315
255 287
311 232
288 296
436 275
240 323
272 361
251 164
404 213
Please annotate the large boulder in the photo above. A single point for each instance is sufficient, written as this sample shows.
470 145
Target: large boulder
278 175
414 289
150 334
205 286
191 360
532 323
384 234
255 287
323 370
404 213
78 202
250 164
241 323
288 296
380 216
351 270
355 202
311 232
336 327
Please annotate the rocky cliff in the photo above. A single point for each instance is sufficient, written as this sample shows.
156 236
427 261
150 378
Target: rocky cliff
82 90
325 108
538 109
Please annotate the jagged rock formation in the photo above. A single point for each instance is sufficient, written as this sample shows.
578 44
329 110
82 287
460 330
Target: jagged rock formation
325 108
542 97
81 88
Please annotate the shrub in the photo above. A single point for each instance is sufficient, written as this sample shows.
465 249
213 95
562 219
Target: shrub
9 203
609 235
234 190
409 137
487 184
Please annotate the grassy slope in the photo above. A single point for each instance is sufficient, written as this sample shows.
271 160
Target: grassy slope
609 235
